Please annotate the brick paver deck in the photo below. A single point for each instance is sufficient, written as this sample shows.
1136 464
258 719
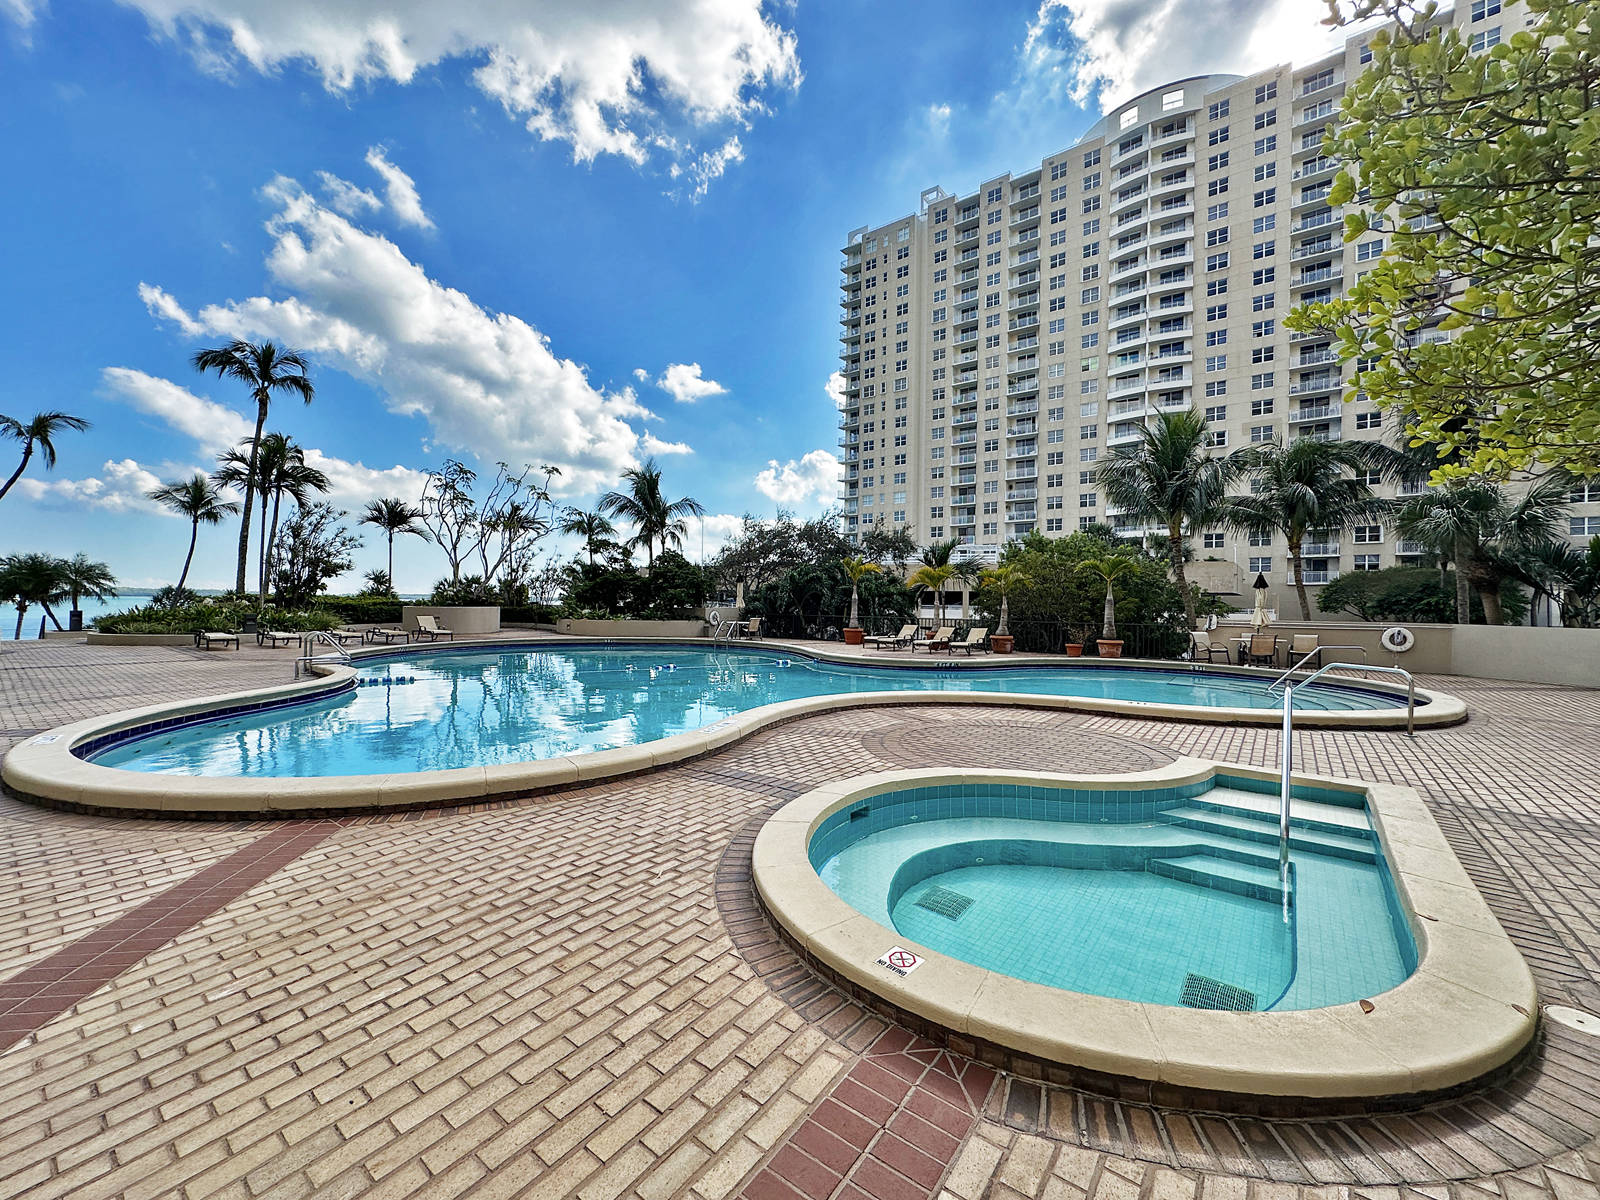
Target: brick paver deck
573 995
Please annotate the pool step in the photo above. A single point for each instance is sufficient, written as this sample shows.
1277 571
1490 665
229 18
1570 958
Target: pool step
1257 880
1263 828
1312 814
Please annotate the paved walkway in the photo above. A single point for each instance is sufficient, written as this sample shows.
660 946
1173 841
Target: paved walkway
573 995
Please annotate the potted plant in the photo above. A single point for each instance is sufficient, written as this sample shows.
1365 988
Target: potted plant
1074 649
1109 569
855 570
1003 579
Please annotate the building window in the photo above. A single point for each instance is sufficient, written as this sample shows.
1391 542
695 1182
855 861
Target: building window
1217 111
1261 408
1485 40
1367 562
1367 535
1260 566
1261 433
1584 526
1212 541
1369 420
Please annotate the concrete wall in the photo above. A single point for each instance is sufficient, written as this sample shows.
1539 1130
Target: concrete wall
461 621
139 639
661 629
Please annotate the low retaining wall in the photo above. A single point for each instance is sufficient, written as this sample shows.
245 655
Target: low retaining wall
619 629
463 621
139 639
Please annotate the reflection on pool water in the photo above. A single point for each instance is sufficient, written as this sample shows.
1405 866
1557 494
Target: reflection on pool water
1168 896
429 711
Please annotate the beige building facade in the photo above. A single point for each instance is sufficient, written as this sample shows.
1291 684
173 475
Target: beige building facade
996 344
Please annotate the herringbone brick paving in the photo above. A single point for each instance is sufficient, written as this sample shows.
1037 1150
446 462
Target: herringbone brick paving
543 999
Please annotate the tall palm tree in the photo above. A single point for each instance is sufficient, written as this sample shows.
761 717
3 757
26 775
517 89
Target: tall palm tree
645 508
199 499
1006 578
266 371
932 579
37 434
1109 569
83 577
1491 537
855 570
28 579
593 527
1310 486
1170 477
393 515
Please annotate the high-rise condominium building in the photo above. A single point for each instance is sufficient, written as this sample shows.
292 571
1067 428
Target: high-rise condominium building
995 345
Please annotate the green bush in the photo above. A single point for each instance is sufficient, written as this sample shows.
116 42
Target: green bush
529 614
361 610
214 615
1402 594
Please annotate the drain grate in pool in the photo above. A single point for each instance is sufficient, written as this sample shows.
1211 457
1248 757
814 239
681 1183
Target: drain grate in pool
945 902
1201 991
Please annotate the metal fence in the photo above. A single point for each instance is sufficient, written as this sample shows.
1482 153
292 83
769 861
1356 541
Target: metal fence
1032 636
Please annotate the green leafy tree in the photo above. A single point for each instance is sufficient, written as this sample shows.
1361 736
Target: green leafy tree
395 517
1169 477
268 372
314 549
37 435
82 576
763 551
1310 487
1480 169
597 532
1406 594
855 570
884 543
656 521
28 579
200 501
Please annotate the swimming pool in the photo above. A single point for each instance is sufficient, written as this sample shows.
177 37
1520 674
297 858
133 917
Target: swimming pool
443 709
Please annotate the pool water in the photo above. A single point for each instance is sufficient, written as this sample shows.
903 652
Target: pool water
1168 897
432 710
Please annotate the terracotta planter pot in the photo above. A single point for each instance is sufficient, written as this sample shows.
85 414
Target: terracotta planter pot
1001 643
852 637
1109 649
1074 649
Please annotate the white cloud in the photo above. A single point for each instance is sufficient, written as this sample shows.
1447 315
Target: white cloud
346 196
487 383
399 190
610 78
23 12
814 478
165 307
683 382
1115 49
651 444
641 375
939 119
711 166
119 488
720 529
835 389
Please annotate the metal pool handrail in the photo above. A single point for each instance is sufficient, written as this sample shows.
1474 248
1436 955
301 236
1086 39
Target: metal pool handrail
1288 740
327 639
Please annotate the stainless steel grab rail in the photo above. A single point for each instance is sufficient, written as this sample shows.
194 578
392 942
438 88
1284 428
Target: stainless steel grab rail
326 639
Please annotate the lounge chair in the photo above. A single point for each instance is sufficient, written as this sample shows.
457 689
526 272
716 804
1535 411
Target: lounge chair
1262 650
1304 645
388 635
211 639
937 640
1201 646
279 637
977 639
752 629
905 637
429 627
347 635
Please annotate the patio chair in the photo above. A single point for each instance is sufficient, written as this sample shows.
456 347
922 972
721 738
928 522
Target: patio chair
977 639
939 639
388 635
347 635
279 637
752 630
1201 645
1304 645
428 627
211 639
894 641
1262 650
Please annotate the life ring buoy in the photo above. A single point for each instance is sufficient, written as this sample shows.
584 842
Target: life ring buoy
1397 639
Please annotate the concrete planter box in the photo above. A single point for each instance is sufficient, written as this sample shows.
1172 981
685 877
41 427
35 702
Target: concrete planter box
140 639
463 621
619 628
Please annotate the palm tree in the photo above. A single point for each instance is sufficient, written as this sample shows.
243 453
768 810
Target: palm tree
1491 537
1006 578
37 434
646 509
265 370
1168 476
932 579
1110 569
31 579
393 515
81 577
199 499
592 527
1311 486
855 570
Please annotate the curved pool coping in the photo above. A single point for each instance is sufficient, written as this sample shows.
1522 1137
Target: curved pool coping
47 768
1469 1008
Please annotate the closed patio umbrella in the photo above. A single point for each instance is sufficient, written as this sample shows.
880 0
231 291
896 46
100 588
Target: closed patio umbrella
1259 619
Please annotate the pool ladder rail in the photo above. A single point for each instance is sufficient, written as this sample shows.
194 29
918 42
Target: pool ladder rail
340 654
1287 683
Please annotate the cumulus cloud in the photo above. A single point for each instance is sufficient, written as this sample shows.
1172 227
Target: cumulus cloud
119 488
399 190
651 444
684 383
347 197
487 383
835 389
613 78
1114 49
163 305
720 529
815 477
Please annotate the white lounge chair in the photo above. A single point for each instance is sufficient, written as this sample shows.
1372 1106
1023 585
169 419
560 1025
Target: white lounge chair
279 637
211 639
977 639
429 627
905 637
939 639
388 635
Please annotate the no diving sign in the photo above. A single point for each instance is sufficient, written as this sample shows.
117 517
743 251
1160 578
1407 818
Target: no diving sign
902 962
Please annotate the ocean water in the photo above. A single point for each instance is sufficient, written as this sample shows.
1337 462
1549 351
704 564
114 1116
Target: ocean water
91 610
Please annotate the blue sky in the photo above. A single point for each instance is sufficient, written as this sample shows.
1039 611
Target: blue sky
578 236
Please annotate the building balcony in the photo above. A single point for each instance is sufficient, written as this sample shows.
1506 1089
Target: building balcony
1031 342
1311 387
1315 412
1319 550
1031 471
1127 387
1022 493
1029 321
1022 408
965 439
1023 429
1125 435
1030 513
1321 248
1314 220
961 419
1313 358
1017 452
1317 577
1313 167
1411 549
1312 278
1022 387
